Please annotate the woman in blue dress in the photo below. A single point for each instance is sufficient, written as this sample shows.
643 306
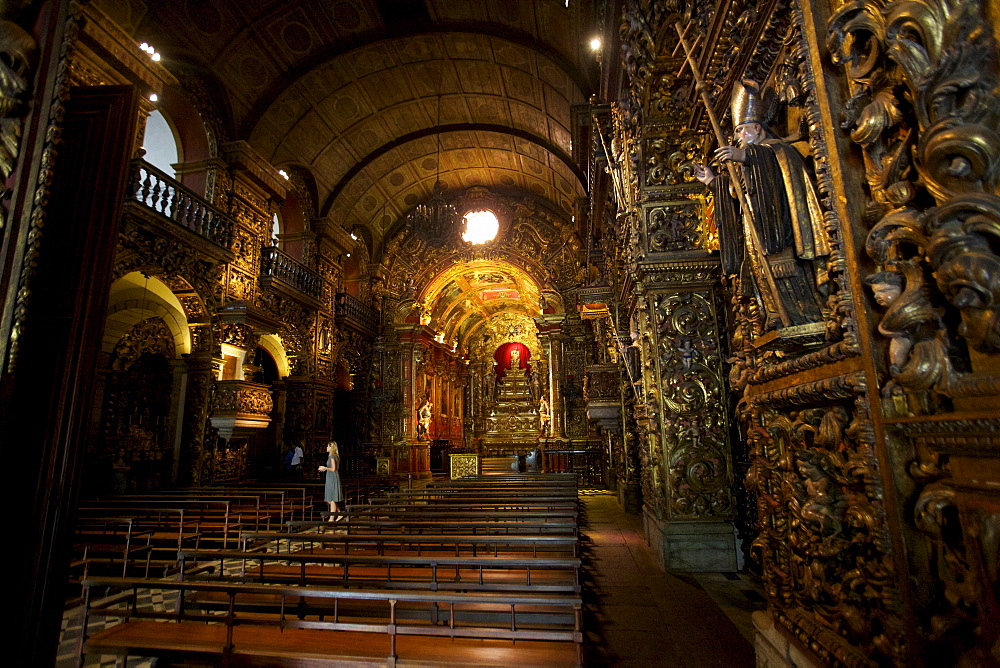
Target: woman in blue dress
332 493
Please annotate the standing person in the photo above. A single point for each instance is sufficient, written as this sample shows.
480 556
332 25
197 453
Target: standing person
331 492
297 454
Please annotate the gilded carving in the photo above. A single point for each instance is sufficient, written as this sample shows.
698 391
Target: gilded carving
16 68
238 335
670 159
690 389
923 111
149 336
823 540
239 398
47 166
672 228
167 256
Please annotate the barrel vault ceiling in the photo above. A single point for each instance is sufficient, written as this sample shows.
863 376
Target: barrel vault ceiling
367 94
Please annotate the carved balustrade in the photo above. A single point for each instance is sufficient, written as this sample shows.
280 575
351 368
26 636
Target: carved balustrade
355 314
276 265
157 192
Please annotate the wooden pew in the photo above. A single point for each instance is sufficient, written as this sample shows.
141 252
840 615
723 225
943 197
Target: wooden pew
249 629
166 530
413 542
492 525
426 573
413 512
214 517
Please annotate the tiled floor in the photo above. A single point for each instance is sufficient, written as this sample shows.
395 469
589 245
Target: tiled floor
638 615
635 613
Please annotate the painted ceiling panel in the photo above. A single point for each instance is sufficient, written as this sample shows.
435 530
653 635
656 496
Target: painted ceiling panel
522 86
513 55
420 48
369 59
350 17
478 77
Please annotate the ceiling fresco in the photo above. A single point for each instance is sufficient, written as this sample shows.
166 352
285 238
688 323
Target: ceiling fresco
460 300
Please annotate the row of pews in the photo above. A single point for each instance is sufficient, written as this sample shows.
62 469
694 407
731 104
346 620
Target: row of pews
482 571
143 534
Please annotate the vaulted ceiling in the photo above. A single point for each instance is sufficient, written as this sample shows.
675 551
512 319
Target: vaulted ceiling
377 99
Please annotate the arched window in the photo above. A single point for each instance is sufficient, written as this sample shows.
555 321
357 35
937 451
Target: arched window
160 143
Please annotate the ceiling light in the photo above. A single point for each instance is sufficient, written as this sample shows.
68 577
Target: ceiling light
155 56
480 227
595 44
434 221
283 174
153 97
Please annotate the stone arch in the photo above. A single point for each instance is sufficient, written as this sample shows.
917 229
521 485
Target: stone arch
273 344
135 299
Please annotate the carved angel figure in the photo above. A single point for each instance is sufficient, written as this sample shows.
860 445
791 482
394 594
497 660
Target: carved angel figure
819 500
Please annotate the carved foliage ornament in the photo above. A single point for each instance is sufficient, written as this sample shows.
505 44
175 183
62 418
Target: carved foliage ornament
924 111
149 336
17 60
50 152
824 545
694 434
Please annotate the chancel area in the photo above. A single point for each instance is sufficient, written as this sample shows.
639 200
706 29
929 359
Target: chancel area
598 299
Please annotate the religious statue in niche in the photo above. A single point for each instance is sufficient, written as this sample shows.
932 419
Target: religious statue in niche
786 272
424 414
544 418
535 384
515 358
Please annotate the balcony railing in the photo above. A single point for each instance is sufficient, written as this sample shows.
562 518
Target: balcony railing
355 312
276 264
158 192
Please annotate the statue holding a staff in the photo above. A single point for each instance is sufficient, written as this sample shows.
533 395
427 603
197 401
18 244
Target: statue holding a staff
782 260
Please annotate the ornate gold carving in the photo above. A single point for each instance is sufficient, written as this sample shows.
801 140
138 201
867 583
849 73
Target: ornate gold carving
924 112
149 336
823 540
40 197
464 466
236 397
672 227
16 68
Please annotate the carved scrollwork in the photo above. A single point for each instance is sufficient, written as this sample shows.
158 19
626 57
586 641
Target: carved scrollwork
670 159
823 543
17 49
924 110
964 233
233 397
673 228
149 336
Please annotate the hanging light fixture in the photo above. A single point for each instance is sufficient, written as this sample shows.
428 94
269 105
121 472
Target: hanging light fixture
435 221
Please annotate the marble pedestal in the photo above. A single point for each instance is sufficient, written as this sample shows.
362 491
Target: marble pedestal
695 546
773 649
